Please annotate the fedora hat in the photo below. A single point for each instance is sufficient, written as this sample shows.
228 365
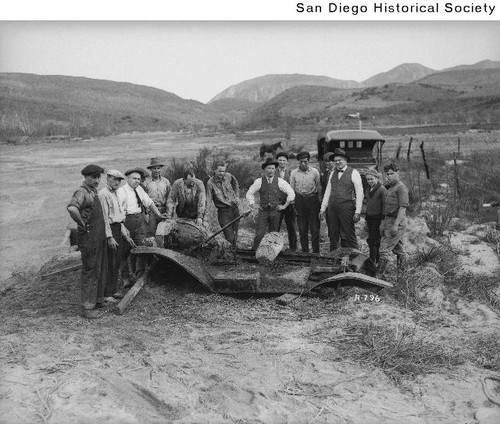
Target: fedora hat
269 161
138 170
155 162
340 152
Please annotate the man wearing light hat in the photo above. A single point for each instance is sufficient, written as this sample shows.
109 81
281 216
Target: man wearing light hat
157 187
116 232
269 187
85 209
135 202
344 199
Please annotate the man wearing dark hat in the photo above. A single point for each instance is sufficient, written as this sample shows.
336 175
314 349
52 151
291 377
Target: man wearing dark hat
289 213
305 181
269 187
85 209
343 198
135 202
116 232
157 187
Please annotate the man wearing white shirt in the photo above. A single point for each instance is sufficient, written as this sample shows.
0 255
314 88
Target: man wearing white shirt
343 198
269 187
135 203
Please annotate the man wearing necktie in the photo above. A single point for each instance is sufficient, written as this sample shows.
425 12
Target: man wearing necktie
269 187
343 198
135 202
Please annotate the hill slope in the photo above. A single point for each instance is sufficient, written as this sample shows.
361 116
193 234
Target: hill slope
407 72
55 104
266 87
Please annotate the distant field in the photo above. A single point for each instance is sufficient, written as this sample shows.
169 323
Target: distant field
40 178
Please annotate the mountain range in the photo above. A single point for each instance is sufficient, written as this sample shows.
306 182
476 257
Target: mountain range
36 105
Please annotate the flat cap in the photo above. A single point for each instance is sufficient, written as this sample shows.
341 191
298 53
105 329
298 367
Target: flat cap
303 155
282 154
92 169
138 170
115 173
373 173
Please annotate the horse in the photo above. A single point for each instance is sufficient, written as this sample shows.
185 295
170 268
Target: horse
269 148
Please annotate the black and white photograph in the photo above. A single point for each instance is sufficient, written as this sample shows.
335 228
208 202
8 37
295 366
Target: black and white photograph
250 222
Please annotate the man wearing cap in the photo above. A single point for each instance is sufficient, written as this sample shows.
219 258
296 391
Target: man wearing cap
157 187
394 224
223 192
269 187
289 213
135 201
305 181
343 198
85 209
374 212
116 232
187 198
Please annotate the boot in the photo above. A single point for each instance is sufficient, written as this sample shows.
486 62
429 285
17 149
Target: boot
374 255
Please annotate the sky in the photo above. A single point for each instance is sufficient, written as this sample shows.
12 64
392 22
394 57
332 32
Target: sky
198 60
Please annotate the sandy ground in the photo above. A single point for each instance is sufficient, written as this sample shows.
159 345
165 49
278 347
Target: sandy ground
181 355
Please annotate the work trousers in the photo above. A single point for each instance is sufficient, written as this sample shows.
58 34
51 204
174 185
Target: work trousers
289 215
268 220
391 242
137 227
308 220
341 218
373 240
153 221
113 257
225 216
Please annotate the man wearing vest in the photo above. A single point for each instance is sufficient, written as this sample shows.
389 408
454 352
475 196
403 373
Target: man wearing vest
289 213
269 187
305 181
343 198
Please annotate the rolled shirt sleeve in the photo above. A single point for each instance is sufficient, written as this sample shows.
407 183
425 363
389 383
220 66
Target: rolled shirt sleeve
254 188
286 188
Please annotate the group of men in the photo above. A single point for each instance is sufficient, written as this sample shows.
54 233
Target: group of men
119 217
307 197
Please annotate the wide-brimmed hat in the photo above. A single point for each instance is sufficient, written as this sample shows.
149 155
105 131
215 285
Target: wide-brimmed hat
328 156
340 152
138 170
92 169
155 162
115 173
269 161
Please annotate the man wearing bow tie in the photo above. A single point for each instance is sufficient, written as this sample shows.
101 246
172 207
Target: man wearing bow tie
343 198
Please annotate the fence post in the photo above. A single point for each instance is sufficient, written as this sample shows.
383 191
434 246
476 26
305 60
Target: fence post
425 162
409 149
458 154
457 182
399 150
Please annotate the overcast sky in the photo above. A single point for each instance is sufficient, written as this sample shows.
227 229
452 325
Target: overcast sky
197 60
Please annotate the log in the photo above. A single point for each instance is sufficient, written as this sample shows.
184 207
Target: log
269 248
134 290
